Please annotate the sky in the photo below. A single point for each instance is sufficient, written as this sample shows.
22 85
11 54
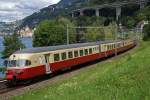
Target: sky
11 10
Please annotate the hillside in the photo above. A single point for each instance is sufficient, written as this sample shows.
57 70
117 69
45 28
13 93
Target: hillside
50 12
62 8
126 78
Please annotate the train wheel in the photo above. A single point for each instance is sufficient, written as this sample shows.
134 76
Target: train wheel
11 83
28 81
14 81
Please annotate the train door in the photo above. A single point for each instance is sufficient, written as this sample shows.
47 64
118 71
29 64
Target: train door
47 65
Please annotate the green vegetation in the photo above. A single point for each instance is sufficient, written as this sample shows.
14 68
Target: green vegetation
53 32
88 21
126 78
105 1
2 69
129 22
12 43
63 8
94 34
100 33
146 32
144 14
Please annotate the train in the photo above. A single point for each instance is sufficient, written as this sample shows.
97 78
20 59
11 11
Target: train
29 63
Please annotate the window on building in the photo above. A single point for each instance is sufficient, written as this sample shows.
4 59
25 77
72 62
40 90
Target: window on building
56 57
63 55
70 54
76 54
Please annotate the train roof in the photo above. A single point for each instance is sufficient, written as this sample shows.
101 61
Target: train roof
60 47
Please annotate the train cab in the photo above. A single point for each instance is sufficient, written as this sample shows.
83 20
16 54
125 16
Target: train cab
17 66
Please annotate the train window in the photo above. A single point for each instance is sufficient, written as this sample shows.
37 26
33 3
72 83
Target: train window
93 49
90 51
18 63
28 63
56 57
112 46
63 56
86 51
70 54
81 52
97 48
107 47
76 54
118 45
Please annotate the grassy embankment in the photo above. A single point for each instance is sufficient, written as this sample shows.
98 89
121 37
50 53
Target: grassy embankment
126 78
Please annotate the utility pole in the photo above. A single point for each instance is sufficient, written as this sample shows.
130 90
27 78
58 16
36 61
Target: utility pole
67 34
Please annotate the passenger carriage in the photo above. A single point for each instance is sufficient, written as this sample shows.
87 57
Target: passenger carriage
30 63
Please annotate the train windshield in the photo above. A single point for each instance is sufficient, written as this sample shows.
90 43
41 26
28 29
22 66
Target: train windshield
18 63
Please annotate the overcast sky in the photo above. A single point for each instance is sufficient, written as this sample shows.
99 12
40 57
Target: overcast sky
11 10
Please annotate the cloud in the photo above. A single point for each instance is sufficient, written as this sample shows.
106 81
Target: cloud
11 10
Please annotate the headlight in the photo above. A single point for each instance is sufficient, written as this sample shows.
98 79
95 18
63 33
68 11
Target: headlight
19 71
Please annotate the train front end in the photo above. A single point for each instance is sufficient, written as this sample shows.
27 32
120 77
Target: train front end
17 68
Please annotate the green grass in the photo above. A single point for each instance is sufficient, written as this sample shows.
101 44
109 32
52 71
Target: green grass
126 78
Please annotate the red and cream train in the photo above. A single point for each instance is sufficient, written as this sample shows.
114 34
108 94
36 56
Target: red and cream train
29 63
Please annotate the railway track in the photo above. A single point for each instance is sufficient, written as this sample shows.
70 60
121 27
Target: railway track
4 88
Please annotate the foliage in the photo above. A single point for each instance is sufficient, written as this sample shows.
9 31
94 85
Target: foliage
110 31
129 22
146 32
143 14
2 70
88 21
122 78
12 43
101 33
54 32
94 34
105 1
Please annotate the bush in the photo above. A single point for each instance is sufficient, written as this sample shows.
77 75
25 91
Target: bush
146 32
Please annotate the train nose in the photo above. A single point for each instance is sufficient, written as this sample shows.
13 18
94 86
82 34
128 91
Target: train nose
9 77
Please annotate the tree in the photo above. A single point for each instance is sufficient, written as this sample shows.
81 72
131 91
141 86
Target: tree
143 14
12 43
110 31
50 33
94 34
129 22
146 32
